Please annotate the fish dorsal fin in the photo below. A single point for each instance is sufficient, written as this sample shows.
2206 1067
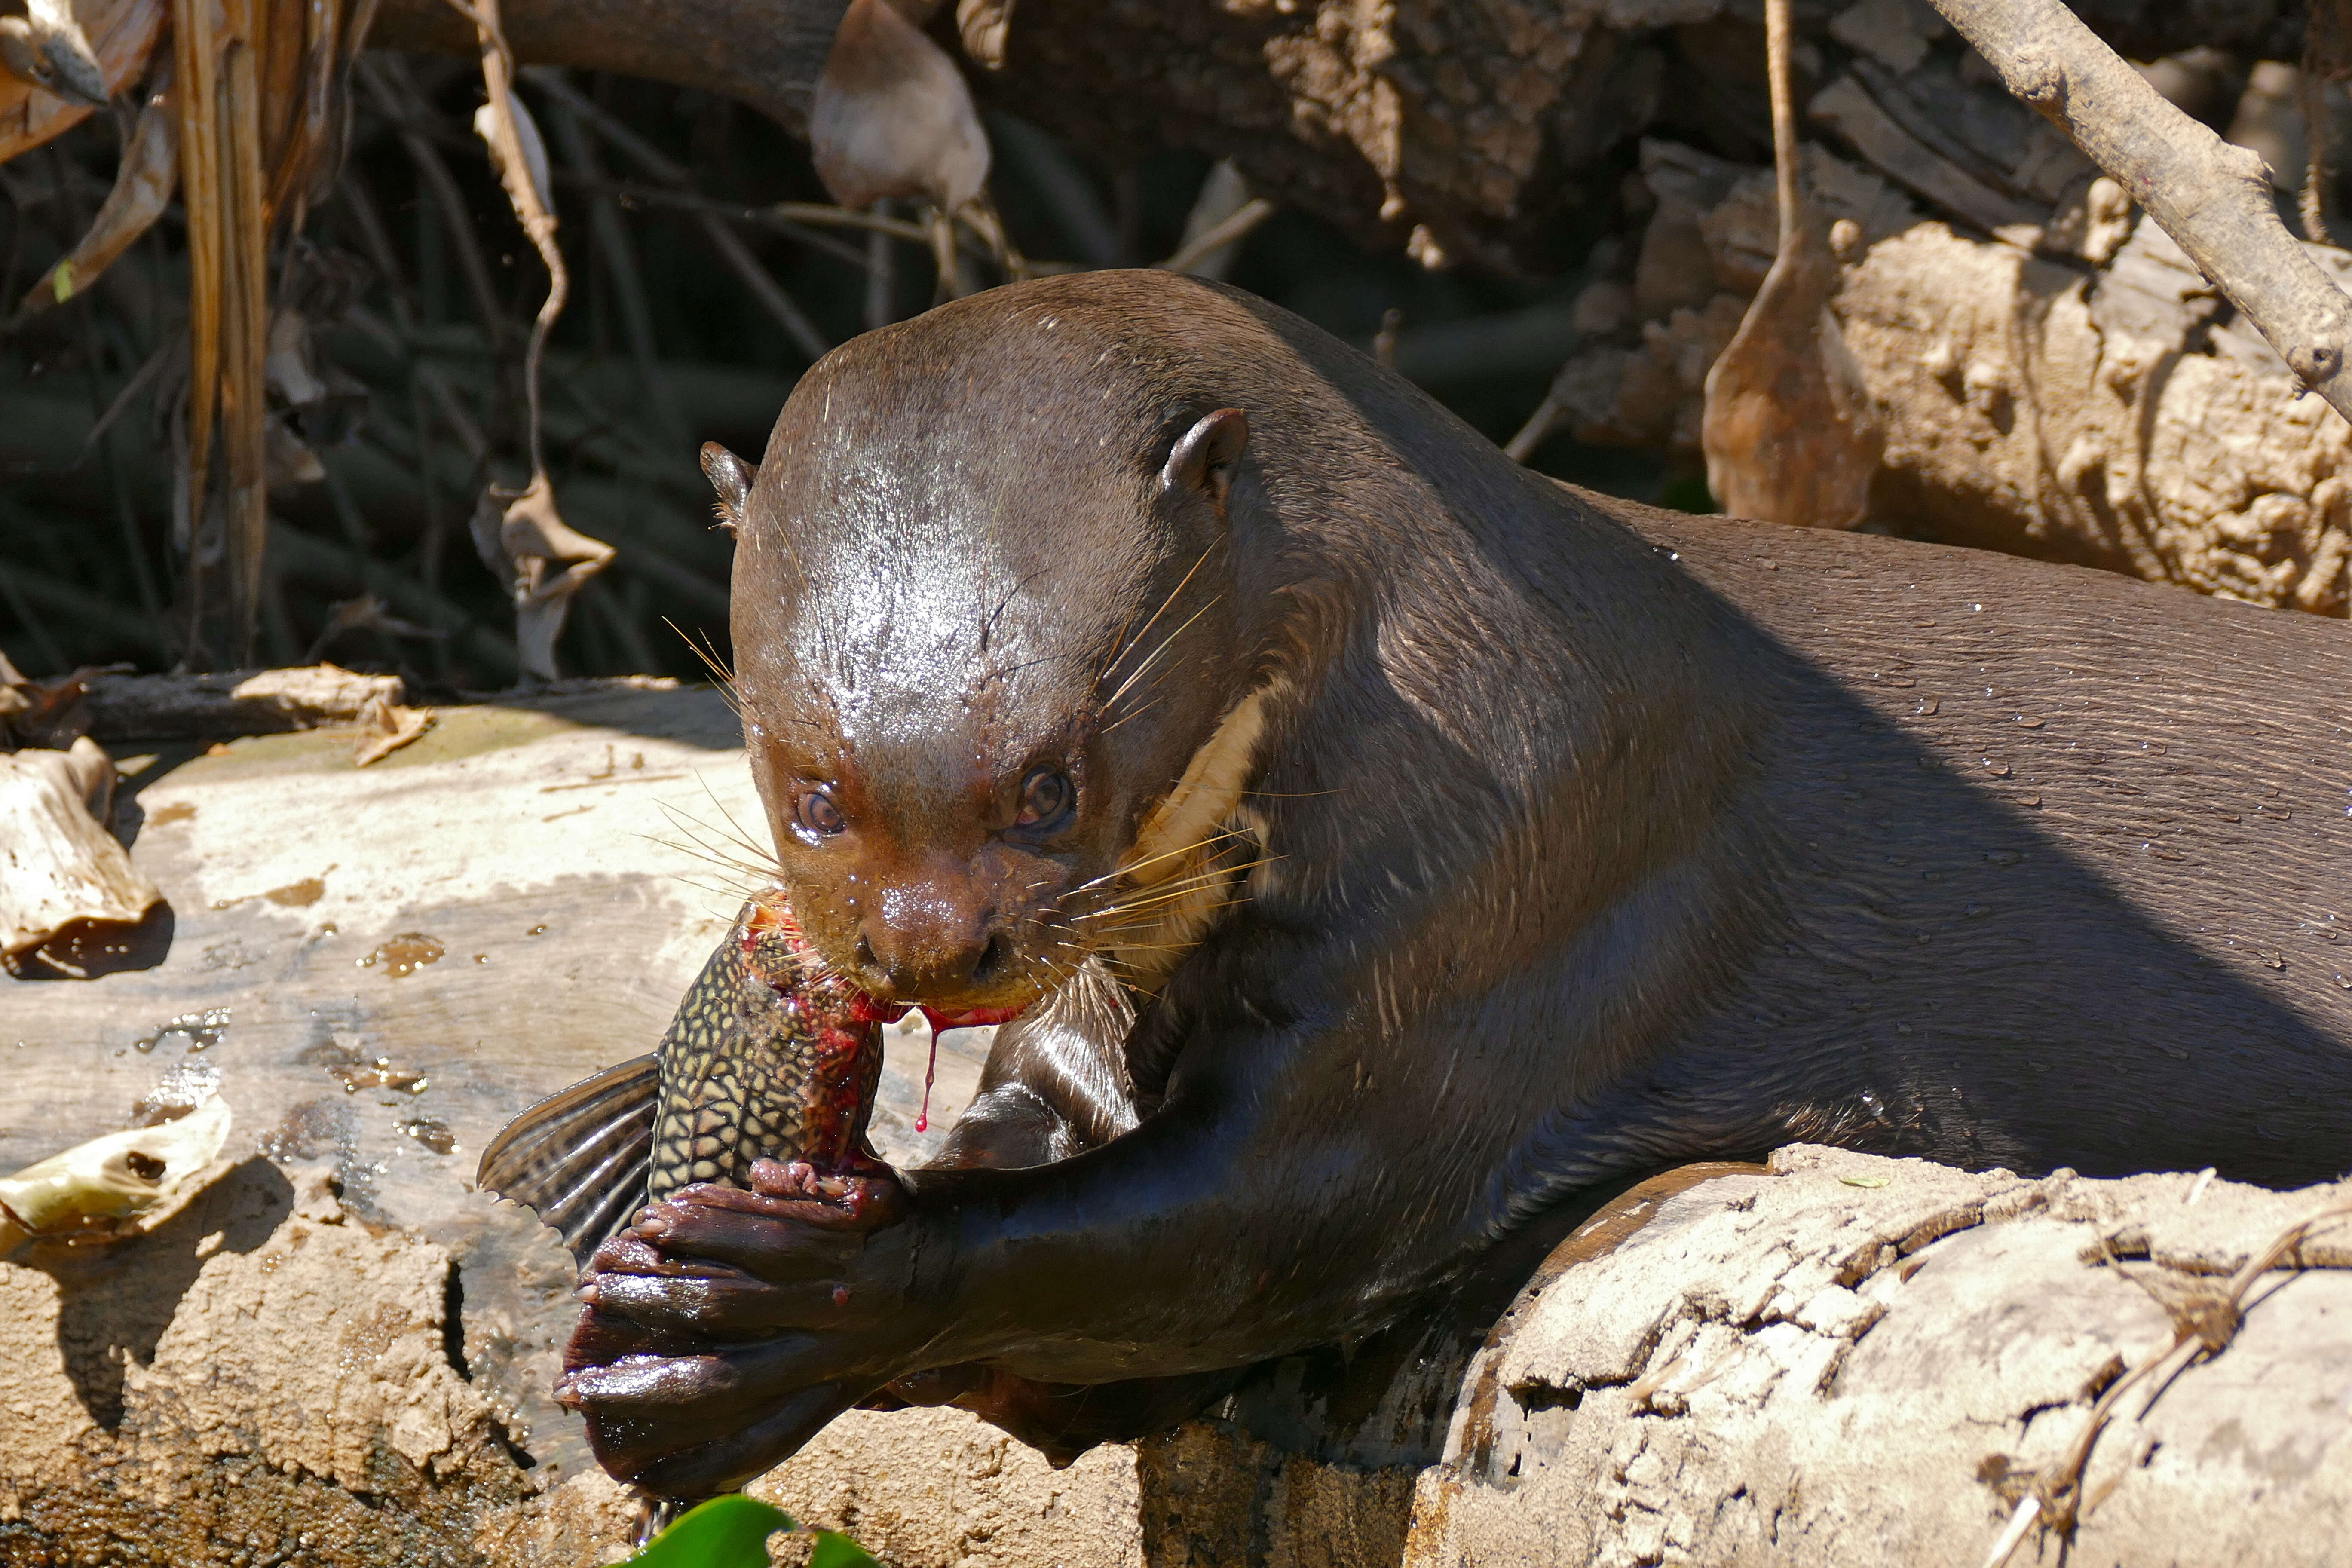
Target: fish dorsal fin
579 1159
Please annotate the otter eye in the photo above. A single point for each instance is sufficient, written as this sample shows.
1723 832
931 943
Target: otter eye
1046 796
819 815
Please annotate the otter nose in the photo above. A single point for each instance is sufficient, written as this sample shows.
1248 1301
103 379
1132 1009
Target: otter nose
926 942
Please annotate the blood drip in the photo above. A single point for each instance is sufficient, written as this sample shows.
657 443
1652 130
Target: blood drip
923 1117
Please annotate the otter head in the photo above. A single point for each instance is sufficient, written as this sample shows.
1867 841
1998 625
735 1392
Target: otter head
983 625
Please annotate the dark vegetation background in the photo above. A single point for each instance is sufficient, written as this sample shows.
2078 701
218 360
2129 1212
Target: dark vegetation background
420 285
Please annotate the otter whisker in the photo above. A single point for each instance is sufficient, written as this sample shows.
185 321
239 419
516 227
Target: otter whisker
1180 887
1116 936
1125 644
703 651
734 828
1215 835
711 839
723 676
1165 644
1131 713
758 876
759 873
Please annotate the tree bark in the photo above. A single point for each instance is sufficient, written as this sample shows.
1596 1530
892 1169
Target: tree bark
2117 414
1853 1361
2213 199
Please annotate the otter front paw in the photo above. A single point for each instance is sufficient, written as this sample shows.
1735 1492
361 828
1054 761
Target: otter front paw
725 1328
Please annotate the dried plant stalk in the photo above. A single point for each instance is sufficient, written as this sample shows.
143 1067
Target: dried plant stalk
245 326
514 173
215 57
196 59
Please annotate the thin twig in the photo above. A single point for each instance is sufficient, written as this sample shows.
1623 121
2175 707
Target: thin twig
2202 1331
830 216
1245 220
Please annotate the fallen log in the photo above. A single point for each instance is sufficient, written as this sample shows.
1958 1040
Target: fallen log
2081 395
219 704
1850 1360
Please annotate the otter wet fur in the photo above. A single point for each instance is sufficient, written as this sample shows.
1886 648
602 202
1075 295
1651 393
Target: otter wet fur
1388 844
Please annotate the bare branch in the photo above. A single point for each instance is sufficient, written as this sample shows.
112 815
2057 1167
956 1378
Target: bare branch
2213 199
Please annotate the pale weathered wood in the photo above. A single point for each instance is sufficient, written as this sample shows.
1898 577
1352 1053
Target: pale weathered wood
2213 199
223 703
1853 1362
378 967
59 867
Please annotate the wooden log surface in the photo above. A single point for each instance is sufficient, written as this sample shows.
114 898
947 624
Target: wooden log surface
1848 1360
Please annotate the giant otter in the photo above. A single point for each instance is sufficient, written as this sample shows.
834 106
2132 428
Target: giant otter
1388 843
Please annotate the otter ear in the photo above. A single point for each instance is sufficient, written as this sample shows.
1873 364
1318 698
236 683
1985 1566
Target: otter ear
1204 458
732 477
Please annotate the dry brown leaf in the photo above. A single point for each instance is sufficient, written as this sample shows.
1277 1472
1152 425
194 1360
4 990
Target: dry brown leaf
47 47
385 727
143 183
1790 433
365 613
542 562
892 118
121 34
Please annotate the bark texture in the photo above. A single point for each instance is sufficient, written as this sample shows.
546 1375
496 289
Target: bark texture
2081 395
2212 198
2123 417
1853 1361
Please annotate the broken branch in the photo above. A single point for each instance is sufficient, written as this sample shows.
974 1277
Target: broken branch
2212 198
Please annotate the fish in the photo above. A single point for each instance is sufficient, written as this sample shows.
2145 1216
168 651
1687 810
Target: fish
772 1056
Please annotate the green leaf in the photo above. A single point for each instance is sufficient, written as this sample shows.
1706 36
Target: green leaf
835 1550
729 1531
1865 1181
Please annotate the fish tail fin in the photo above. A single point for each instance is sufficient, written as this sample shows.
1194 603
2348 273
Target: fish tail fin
579 1159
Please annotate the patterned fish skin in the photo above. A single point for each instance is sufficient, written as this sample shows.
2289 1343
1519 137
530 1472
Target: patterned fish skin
770 1056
